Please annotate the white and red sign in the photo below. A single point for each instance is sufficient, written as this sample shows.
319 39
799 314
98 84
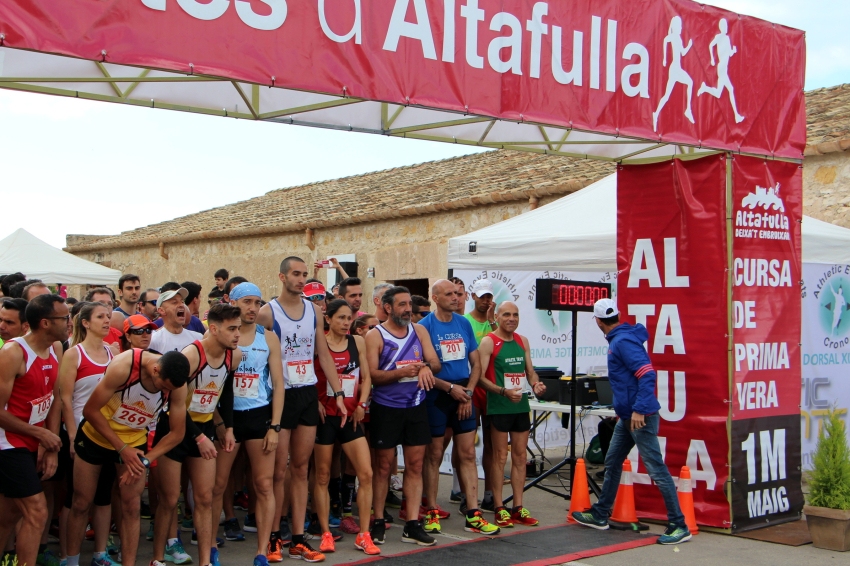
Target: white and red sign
767 207
670 70
671 258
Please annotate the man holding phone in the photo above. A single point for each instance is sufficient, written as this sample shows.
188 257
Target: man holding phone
632 379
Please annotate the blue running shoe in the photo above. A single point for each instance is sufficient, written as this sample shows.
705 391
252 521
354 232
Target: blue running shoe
261 560
214 557
675 535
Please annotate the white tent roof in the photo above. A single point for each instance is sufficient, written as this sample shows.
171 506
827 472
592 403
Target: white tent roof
579 233
21 251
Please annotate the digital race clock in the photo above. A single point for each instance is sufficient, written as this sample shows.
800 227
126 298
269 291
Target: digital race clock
562 295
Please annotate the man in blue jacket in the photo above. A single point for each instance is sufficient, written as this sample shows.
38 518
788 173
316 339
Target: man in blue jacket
632 380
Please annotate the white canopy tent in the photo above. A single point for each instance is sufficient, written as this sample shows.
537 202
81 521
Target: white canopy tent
579 233
21 251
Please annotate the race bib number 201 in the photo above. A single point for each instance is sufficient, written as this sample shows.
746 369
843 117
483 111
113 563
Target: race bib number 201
451 350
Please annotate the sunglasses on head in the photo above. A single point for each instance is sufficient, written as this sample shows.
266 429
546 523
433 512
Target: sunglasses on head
372 326
140 331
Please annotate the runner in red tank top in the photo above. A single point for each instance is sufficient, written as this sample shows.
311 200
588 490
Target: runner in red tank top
29 422
349 355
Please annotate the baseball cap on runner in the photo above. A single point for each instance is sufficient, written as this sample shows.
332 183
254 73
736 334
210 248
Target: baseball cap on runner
314 289
136 321
167 295
245 290
482 287
605 308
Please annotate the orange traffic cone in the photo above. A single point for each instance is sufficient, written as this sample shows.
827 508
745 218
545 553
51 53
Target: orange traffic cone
624 516
579 492
686 499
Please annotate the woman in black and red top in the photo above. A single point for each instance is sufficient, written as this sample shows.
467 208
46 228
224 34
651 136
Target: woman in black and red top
349 354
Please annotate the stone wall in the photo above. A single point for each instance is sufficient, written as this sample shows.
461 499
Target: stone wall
406 248
826 187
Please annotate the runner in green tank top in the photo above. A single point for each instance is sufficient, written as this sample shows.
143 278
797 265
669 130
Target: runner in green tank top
508 373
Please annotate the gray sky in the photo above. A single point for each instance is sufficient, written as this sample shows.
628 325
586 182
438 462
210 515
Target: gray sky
74 166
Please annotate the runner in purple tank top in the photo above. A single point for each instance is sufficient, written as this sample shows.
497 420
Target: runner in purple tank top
405 362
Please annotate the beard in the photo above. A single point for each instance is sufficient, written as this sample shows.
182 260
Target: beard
403 320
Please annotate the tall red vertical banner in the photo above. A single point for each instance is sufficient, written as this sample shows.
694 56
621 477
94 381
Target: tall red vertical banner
672 258
767 206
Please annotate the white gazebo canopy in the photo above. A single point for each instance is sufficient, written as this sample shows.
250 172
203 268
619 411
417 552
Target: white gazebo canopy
579 233
21 251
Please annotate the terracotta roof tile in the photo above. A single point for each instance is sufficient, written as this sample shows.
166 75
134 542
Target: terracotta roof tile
495 176
828 120
490 177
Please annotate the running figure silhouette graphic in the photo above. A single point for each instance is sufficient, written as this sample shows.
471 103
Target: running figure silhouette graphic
677 74
838 308
725 50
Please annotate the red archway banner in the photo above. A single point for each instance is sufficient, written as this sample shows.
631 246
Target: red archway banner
670 71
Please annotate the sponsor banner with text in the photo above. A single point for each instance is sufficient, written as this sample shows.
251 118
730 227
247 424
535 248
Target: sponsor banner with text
766 273
649 69
671 258
826 349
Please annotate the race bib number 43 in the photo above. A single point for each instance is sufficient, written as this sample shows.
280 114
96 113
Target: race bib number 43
132 416
299 372
246 385
40 408
451 350
204 401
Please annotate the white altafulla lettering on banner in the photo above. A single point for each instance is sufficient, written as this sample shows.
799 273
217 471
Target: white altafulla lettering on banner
826 349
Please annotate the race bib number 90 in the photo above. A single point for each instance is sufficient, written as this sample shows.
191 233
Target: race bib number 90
246 385
204 401
514 380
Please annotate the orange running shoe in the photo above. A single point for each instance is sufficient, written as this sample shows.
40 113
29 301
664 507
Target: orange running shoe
327 544
364 542
521 516
305 552
274 552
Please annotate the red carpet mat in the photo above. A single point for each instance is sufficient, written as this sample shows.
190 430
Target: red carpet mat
528 547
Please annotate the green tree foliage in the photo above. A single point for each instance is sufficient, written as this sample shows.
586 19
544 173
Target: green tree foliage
829 481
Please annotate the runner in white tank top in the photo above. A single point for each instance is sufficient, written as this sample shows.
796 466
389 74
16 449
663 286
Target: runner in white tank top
295 321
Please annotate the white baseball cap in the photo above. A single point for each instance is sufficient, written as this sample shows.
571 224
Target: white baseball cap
482 287
605 308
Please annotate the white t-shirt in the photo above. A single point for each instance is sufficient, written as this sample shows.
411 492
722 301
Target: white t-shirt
164 341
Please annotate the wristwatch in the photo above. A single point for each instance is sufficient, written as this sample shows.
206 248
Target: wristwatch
339 393
468 392
364 405
274 427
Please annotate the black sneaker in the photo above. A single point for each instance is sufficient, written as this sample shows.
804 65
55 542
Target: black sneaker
285 532
145 511
488 504
415 534
393 501
463 506
378 531
232 531
588 519
250 525
387 517
315 529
